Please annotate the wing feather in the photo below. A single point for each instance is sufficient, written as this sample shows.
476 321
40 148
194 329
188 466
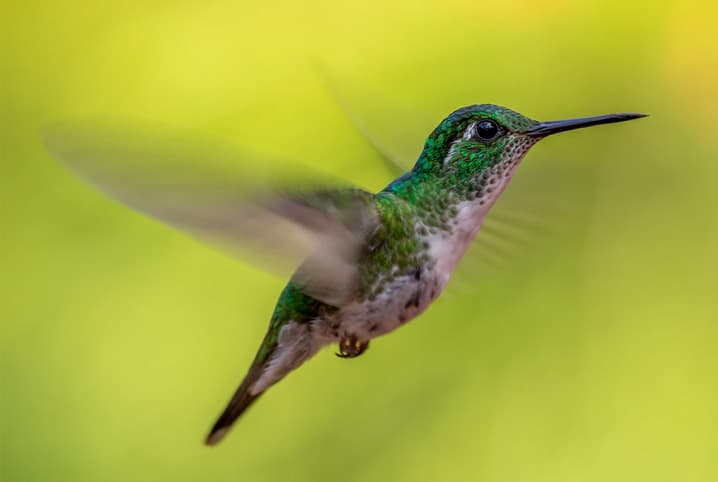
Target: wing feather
228 198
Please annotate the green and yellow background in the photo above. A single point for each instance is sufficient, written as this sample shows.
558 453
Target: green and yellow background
591 358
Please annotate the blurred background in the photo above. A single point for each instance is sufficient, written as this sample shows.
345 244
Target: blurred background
588 356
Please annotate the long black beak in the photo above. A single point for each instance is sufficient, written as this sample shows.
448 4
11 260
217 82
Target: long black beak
543 129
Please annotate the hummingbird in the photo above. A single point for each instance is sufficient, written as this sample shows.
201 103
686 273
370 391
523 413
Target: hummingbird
370 262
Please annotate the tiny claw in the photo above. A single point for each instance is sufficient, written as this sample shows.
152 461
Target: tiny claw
351 347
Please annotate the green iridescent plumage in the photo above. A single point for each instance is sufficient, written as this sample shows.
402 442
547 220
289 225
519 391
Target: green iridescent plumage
293 304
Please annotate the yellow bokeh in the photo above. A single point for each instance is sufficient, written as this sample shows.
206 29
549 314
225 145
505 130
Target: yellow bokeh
692 60
587 354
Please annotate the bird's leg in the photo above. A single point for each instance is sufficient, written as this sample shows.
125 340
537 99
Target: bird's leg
351 347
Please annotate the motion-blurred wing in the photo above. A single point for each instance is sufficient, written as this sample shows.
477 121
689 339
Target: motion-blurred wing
229 199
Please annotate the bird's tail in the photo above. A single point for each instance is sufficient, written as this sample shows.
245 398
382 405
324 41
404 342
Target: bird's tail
279 354
241 400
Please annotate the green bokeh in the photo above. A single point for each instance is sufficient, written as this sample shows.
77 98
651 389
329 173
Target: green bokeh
589 357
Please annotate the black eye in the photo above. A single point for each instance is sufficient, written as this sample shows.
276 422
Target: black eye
487 130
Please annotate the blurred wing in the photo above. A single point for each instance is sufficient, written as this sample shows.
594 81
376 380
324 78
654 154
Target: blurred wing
396 163
228 199
396 132
544 208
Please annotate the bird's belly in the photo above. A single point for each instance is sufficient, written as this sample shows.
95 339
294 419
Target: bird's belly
407 296
399 301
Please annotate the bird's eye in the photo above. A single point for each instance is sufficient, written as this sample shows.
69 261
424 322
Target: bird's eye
487 130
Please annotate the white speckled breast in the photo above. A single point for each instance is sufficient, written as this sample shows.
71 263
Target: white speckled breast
407 296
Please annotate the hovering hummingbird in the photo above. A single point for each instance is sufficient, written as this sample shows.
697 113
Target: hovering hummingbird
370 262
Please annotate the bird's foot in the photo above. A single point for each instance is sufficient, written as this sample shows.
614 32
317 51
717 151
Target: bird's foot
350 347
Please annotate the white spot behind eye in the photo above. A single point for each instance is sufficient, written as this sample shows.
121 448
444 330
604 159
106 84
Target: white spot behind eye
470 131
450 154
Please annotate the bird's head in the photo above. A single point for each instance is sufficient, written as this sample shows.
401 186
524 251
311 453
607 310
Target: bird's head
474 138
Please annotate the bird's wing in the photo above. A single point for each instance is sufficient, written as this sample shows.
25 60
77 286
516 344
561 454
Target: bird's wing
224 197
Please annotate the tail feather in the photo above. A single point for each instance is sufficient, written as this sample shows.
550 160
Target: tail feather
276 358
241 400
